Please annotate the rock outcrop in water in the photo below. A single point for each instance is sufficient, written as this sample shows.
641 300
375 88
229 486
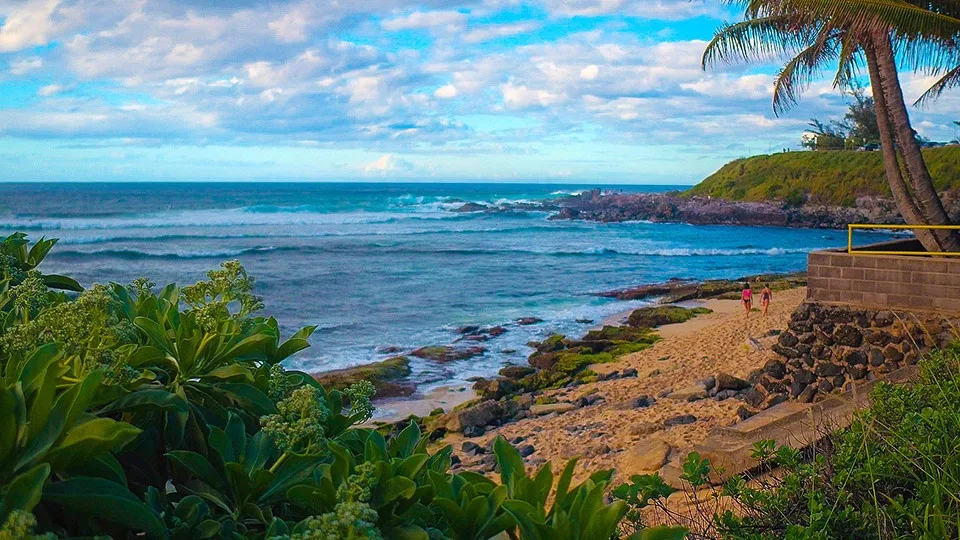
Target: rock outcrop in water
595 205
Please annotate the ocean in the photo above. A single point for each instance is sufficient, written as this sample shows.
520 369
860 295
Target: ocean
378 265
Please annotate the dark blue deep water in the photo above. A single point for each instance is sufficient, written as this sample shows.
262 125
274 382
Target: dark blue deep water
377 265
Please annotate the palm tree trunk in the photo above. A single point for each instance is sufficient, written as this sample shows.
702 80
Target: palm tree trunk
924 194
899 189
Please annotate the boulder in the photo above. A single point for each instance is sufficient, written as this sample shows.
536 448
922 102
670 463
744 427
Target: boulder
772 385
640 402
805 376
495 388
473 416
448 353
383 375
645 458
526 321
526 450
559 408
470 329
680 420
808 394
516 372
797 388
725 381
645 428
876 337
857 371
876 356
776 399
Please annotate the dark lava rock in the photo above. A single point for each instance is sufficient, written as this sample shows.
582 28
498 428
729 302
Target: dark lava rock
773 386
876 337
786 352
855 357
724 395
680 420
848 336
775 369
892 353
808 338
807 395
628 372
526 450
725 381
526 321
473 431
585 321
883 319
776 399
642 402
824 386
392 349
827 369
805 376
472 207
446 353
743 413
857 372
709 383
471 448
876 357
516 372
494 331
787 339
470 329
753 397
796 388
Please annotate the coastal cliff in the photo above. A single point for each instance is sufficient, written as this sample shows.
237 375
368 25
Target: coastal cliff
793 189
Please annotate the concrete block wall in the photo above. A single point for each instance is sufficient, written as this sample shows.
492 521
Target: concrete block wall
887 281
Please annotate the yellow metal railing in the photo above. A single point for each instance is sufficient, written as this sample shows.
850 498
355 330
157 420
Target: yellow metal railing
853 226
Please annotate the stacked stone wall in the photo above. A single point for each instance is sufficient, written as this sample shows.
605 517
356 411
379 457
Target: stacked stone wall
828 348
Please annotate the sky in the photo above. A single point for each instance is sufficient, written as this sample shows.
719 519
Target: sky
575 91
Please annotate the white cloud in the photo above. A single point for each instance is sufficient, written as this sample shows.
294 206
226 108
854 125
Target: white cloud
496 31
28 25
590 72
522 97
446 91
26 65
388 164
426 20
49 90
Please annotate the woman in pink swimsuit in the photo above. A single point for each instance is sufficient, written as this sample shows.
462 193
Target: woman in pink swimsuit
746 297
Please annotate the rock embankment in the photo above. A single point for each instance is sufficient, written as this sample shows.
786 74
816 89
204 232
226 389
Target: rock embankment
606 206
827 349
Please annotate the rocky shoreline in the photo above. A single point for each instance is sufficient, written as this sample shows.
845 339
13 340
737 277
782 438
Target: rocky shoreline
678 207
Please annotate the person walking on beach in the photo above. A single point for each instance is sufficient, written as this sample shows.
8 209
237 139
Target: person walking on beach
746 297
765 296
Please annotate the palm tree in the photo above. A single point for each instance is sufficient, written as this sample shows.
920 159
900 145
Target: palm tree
818 33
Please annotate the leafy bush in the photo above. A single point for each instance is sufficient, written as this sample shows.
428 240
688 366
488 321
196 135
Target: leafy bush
134 412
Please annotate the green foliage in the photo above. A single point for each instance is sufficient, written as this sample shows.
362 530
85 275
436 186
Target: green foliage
835 178
128 412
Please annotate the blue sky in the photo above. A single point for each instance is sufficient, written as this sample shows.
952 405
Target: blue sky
496 90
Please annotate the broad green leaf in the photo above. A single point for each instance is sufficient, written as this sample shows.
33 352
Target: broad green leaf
398 487
148 398
62 282
230 371
105 500
89 439
24 491
197 465
249 397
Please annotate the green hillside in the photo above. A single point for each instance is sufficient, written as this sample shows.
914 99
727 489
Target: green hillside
830 177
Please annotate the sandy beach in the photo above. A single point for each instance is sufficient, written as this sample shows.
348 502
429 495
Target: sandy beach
611 433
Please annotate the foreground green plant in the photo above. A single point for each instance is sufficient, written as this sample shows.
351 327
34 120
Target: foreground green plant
128 412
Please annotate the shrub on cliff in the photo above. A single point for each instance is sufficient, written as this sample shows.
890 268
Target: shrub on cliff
131 412
834 178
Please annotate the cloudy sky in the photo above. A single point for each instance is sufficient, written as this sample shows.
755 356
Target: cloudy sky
500 90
